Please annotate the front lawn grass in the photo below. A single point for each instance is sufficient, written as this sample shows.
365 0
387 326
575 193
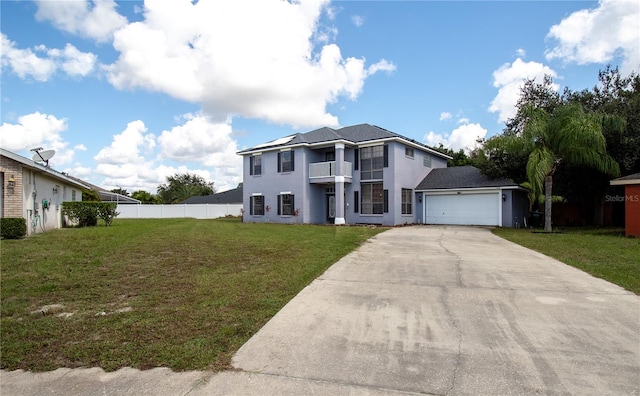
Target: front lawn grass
602 252
178 293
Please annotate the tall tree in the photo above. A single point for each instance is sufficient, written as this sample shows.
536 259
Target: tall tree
619 98
146 197
458 158
567 135
182 186
120 191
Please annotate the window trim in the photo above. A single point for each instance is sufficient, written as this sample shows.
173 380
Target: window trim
367 170
381 203
281 207
252 165
404 205
409 152
252 204
281 162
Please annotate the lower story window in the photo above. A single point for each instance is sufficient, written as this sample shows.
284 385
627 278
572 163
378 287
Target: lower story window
407 195
285 204
256 205
372 198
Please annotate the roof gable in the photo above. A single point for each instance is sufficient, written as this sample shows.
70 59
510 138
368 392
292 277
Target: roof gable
226 197
460 177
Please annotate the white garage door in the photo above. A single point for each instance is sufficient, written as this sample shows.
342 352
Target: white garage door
468 209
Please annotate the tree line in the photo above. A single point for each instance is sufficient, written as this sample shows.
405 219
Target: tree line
178 188
566 145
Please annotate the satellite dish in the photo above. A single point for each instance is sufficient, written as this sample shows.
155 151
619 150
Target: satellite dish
43 156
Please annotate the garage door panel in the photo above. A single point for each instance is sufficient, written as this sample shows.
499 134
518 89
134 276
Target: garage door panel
464 209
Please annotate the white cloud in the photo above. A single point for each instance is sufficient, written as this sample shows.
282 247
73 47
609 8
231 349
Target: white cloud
445 116
75 62
463 120
271 69
126 146
521 53
96 19
509 79
199 140
463 137
600 35
357 20
37 130
26 63
132 160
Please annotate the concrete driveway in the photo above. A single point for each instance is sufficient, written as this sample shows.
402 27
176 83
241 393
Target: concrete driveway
435 310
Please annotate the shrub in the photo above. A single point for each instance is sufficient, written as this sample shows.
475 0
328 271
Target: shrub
86 214
13 227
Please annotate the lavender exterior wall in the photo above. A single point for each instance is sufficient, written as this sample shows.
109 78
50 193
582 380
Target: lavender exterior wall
311 198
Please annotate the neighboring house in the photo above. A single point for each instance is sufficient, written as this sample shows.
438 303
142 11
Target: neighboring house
226 197
34 192
361 174
631 185
463 195
108 196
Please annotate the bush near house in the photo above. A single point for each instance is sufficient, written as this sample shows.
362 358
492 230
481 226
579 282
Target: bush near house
86 214
13 227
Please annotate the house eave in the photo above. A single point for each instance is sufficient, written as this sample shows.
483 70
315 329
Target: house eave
41 168
624 182
346 142
468 190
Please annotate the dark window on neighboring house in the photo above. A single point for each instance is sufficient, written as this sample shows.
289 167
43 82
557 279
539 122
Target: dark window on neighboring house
374 198
286 161
256 205
285 204
372 160
255 165
407 196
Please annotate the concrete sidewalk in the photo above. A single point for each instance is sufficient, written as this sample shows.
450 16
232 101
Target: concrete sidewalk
429 310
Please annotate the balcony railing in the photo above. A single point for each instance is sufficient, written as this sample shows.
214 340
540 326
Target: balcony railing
328 169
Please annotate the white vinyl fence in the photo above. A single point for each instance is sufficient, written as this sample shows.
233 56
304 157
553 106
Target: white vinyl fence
198 211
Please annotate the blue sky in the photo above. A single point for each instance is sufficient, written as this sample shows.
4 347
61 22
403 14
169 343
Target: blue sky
130 92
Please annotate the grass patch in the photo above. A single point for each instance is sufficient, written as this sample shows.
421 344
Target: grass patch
178 293
602 252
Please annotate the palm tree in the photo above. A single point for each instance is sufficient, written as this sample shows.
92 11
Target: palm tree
567 135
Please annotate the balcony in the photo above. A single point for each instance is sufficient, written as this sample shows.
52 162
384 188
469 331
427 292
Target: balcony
325 172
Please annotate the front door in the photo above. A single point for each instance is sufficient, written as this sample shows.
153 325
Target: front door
331 208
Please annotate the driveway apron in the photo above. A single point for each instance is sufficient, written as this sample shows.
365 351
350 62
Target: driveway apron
454 310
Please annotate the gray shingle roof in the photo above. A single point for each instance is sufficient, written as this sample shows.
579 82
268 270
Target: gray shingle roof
356 134
227 197
460 177
629 179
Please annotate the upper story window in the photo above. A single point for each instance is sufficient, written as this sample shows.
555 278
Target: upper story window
73 195
255 165
286 161
372 160
408 152
426 161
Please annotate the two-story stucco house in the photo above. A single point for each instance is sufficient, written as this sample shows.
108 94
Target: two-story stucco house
360 174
